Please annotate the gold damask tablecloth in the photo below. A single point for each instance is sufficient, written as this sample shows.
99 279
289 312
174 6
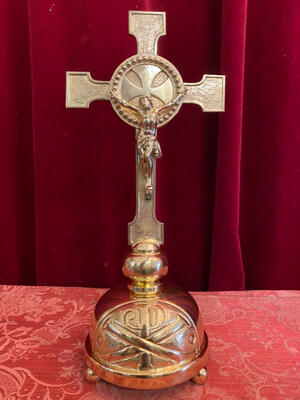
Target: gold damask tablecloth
254 346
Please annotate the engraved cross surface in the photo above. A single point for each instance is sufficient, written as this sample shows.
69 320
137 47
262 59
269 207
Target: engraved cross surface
146 74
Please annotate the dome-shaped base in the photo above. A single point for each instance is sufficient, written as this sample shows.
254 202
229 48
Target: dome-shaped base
146 343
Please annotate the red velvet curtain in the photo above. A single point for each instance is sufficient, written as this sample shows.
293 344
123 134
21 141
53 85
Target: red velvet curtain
228 185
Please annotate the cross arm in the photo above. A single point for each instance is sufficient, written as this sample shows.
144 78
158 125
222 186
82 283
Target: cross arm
209 93
82 89
147 27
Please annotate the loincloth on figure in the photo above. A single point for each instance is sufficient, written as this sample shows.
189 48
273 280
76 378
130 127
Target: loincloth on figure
148 145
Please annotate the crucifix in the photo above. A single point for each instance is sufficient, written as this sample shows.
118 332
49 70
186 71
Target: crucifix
159 342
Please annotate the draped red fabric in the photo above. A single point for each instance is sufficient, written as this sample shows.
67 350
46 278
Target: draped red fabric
228 185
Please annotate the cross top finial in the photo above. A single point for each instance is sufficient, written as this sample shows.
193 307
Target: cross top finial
146 91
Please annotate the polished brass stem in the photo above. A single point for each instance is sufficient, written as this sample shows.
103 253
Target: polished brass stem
145 265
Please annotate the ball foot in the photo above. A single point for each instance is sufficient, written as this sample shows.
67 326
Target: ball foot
201 377
90 376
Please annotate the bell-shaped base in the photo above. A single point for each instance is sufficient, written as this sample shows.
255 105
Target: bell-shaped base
147 343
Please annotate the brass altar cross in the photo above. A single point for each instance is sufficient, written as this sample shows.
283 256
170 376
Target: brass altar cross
146 91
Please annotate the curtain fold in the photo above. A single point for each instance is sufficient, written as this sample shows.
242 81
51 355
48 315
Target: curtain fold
270 190
227 185
17 215
227 269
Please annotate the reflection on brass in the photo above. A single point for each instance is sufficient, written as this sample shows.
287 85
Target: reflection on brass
141 336
147 342
146 335
200 378
90 376
145 268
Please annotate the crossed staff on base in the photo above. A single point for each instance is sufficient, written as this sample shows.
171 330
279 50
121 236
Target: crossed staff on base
146 345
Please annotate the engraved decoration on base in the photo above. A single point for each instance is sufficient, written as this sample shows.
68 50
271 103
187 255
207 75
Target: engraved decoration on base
146 337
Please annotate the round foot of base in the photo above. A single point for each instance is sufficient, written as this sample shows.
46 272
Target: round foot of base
201 377
90 376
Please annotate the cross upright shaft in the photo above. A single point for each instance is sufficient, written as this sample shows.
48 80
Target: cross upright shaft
146 91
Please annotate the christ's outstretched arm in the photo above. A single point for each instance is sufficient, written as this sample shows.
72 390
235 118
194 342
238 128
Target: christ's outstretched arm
124 103
175 101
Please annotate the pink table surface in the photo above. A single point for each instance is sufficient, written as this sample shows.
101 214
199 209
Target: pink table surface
254 346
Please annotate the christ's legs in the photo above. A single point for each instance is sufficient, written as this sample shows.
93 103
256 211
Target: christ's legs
147 166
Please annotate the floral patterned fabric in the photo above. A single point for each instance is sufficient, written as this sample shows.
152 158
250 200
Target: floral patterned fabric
254 346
